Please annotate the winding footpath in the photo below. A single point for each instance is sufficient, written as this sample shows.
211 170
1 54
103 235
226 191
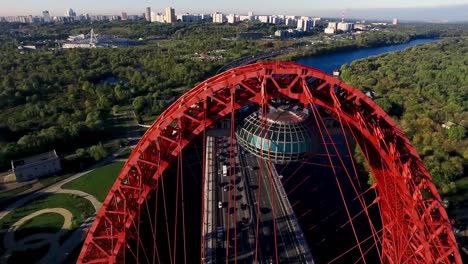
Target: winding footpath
37 240
57 253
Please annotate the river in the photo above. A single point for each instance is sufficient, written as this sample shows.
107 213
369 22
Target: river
328 62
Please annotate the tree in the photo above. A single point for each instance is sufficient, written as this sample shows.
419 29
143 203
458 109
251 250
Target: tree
422 88
81 153
456 132
97 152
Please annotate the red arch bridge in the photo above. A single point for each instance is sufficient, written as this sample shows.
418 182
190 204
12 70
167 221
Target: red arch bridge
270 163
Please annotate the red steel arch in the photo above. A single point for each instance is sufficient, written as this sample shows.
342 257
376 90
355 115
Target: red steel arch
416 228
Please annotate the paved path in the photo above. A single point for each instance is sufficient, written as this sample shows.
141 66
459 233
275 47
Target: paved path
36 240
56 253
57 187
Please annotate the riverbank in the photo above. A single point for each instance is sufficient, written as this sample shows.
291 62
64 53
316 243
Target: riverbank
353 42
329 61
422 89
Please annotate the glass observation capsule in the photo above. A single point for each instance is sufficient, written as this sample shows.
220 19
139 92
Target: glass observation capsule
281 136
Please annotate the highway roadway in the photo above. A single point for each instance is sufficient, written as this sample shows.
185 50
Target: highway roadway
234 215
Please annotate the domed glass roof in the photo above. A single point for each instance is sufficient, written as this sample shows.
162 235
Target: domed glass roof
282 136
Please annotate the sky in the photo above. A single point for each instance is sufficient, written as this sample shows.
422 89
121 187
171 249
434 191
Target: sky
427 10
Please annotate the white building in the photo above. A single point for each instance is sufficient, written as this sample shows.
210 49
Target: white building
329 30
231 18
158 17
275 20
281 33
346 27
124 16
362 27
332 25
290 21
218 18
161 18
36 167
170 15
148 14
46 16
395 21
263 19
187 18
70 13
304 24
245 18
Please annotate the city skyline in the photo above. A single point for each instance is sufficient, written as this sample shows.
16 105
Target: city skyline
435 10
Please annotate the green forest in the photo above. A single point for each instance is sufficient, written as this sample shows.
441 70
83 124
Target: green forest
65 99
51 98
425 89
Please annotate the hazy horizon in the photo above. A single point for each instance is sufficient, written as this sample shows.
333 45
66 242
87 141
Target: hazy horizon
430 11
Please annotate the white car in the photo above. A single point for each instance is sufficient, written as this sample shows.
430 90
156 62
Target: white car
220 204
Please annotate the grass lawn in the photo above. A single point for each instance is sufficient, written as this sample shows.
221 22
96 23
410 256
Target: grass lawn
47 223
79 207
54 179
97 182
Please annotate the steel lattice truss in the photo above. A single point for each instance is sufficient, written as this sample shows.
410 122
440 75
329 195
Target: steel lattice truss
416 228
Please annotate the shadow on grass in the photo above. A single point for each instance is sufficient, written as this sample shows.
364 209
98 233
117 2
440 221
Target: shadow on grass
49 223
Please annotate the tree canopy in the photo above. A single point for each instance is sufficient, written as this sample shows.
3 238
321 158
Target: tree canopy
425 89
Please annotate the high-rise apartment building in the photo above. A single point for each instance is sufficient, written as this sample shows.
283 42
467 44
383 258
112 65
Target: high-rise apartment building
170 15
346 27
158 17
148 14
124 16
218 18
304 24
333 25
46 16
187 18
290 21
231 18
263 19
70 13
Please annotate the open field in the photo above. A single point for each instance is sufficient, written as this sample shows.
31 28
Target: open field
44 223
53 179
48 223
79 207
98 182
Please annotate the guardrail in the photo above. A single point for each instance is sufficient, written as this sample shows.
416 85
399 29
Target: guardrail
291 218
